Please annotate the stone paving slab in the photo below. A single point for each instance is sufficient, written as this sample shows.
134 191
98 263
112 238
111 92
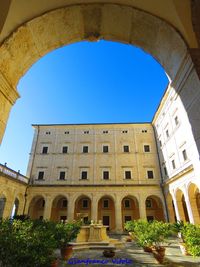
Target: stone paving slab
133 256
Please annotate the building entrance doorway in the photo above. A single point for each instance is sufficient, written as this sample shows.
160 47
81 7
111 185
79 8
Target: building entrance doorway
106 221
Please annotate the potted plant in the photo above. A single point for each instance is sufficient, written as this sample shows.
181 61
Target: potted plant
161 231
139 229
65 233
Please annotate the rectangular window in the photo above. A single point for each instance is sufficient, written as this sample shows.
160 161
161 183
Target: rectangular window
40 175
146 148
176 120
105 149
167 133
150 174
105 203
65 149
85 149
84 175
126 203
45 150
184 153
64 203
62 176
173 164
85 203
165 171
126 148
148 203
160 143
105 175
127 174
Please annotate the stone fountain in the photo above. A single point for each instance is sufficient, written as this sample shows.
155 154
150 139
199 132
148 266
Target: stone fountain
94 236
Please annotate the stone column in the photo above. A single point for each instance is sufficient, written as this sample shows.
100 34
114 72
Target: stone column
70 209
47 208
94 208
8 96
118 215
176 207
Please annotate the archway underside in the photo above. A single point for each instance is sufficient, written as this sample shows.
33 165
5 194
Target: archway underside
84 22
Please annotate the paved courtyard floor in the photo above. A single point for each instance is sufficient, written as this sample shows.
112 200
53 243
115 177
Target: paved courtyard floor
131 255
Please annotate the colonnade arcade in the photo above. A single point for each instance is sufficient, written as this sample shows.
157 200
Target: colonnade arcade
184 204
111 210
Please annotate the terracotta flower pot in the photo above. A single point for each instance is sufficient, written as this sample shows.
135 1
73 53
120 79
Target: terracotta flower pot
54 263
66 252
108 253
147 249
159 254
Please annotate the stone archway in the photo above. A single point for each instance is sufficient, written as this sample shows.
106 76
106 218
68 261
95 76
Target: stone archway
15 207
36 207
130 209
106 212
154 208
93 22
182 208
59 209
194 197
83 208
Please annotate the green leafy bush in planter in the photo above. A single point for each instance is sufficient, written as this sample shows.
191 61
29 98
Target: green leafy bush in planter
191 237
149 234
66 232
26 243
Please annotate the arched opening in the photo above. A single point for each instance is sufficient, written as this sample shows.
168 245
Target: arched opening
154 209
2 205
36 208
59 209
194 197
83 208
106 212
15 208
170 207
130 209
182 208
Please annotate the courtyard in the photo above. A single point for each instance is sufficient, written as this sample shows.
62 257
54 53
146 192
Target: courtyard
132 255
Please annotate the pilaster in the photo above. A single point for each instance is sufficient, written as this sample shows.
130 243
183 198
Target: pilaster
47 208
8 96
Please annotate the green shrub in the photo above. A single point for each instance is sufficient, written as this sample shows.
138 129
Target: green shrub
66 232
22 243
149 233
191 236
27 243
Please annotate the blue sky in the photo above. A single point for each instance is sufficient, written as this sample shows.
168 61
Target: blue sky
82 83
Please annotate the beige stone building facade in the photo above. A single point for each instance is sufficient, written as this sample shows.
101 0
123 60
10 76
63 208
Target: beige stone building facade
108 172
